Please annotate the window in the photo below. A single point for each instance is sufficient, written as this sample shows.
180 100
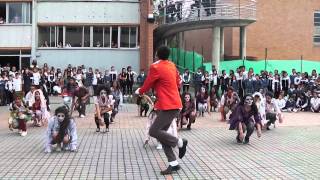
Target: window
317 18
44 37
19 13
133 37
87 36
107 36
97 36
124 37
3 12
74 36
316 39
114 38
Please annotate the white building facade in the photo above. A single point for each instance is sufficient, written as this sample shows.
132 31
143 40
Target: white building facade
98 33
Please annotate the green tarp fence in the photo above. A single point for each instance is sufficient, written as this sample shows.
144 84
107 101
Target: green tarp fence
192 60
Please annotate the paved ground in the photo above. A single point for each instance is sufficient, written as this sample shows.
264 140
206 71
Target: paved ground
291 151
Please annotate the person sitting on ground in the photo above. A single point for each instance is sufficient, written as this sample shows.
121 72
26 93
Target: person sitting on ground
273 112
214 101
188 112
144 102
39 108
61 132
19 116
302 103
103 107
203 101
228 102
291 103
281 102
315 103
245 118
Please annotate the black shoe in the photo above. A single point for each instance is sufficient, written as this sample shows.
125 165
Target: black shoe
238 140
189 127
183 149
170 170
246 141
98 130
268 128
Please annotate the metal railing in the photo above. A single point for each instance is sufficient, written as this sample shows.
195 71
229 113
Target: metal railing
188 10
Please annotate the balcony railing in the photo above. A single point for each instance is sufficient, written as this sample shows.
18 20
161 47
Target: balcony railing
184 11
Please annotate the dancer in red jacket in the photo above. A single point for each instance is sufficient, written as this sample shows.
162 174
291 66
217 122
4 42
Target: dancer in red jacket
164 78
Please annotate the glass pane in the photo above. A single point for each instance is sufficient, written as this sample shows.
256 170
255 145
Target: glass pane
317 19
15 12
53 37
60 36
44 37
316 14
26 13
124 37
86 36
106 37
97 36
316 39
3 13
114 39
133 36
73 37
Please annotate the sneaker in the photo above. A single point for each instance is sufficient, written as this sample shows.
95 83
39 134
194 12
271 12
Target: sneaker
82 116
159 147
238 140
246 141
183 149
24 133
20 131
170 170
58 148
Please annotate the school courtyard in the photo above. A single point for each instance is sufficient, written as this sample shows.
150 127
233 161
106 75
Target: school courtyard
290 151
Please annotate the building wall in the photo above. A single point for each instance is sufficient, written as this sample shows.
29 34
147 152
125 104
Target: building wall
12 36
98 58
285 27
89 12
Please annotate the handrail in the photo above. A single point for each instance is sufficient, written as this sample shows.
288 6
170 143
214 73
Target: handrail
205 10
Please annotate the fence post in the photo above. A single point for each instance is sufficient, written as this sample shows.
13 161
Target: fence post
301 59
193 65
204 69
265 59
178 56
184 54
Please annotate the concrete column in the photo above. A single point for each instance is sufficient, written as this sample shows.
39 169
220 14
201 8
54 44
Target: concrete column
221 43
34 30
181 40
216 47
243 42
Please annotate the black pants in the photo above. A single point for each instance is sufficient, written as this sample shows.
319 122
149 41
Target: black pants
247 126
144 108
129 87
186 88
9 98
105 117
123 85
159 129
81 108
271 117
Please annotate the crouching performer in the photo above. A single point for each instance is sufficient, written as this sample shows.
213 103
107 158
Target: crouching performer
61 132
245 118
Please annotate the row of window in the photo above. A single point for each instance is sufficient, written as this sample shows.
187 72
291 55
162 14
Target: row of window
88 36
15 13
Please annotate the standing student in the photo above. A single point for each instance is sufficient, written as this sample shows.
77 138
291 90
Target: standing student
164 78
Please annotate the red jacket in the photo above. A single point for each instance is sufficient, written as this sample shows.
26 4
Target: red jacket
164 78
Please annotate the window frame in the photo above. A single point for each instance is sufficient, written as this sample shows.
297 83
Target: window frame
91 35
26 19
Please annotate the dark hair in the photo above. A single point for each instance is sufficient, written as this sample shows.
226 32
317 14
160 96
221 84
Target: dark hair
163 52
270 94
64 124
254 107
103 87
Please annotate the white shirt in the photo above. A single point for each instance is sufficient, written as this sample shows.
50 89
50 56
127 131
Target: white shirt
315 102
281 103
36 78
17 83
